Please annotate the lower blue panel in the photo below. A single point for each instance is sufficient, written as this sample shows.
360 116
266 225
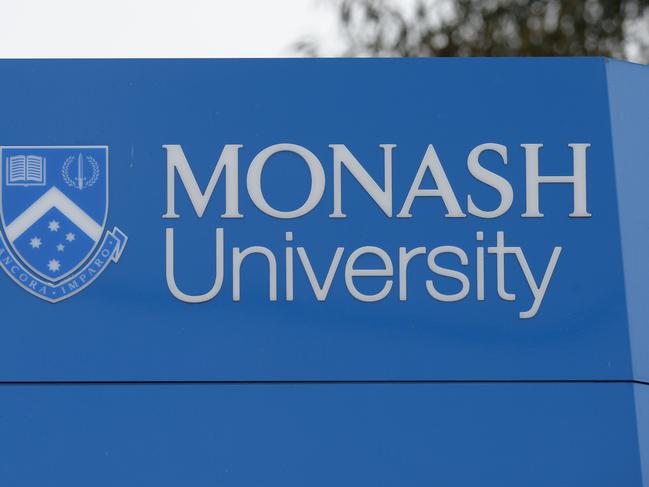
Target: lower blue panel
543 434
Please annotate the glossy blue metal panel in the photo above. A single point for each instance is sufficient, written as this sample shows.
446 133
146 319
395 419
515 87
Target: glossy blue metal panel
319 435
127 325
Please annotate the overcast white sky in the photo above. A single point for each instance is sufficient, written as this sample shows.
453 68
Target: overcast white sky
161 28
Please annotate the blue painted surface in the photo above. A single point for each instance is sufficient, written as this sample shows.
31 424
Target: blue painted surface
128 326
319 435
586 424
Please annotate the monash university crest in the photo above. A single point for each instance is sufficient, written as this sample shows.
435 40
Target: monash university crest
54 210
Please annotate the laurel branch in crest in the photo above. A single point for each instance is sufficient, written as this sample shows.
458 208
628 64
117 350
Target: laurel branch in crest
65 171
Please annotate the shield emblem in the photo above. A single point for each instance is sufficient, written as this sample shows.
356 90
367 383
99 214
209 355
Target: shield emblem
54 205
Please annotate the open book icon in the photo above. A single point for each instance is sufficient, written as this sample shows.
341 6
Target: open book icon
25 170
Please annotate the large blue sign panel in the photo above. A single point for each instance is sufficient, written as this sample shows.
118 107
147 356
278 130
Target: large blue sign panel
314 220
330 221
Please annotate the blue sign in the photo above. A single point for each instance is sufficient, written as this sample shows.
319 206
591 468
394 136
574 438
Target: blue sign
447 231
386 225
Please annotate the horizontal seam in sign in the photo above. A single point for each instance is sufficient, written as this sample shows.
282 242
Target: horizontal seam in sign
316 382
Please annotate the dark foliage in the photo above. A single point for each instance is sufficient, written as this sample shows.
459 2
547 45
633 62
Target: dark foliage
493 28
